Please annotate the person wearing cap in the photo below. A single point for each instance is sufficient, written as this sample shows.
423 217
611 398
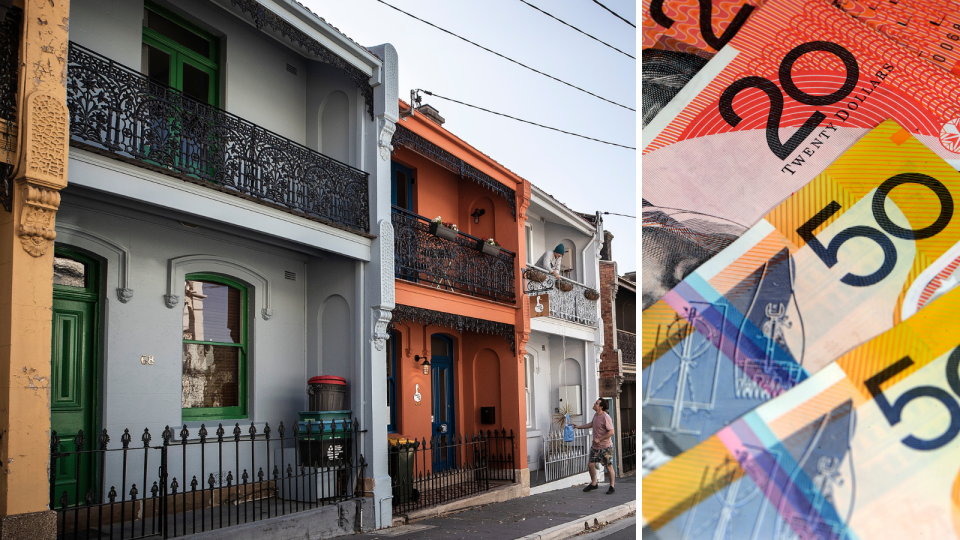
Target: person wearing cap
552 260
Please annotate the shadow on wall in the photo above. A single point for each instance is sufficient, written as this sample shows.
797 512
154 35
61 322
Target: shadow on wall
335 340
335 126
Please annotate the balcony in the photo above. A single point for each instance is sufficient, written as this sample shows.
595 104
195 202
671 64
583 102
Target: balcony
119 112
452 265
571 305
627 343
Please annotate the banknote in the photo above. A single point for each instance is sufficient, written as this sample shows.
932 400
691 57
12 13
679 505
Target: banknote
866 448
680 36
827 269
791 92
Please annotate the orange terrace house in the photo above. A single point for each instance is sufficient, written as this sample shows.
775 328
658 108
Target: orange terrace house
455 379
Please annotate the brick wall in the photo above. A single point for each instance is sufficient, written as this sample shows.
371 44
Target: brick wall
609 360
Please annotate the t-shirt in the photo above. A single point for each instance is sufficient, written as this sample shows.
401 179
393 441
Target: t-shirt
602 424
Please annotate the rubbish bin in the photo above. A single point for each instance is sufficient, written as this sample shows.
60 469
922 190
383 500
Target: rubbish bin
403 453
331 447
327 392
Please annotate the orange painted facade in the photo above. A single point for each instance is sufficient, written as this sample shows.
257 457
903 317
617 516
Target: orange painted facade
486 372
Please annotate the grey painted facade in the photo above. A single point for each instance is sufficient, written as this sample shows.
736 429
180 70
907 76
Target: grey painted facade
149 229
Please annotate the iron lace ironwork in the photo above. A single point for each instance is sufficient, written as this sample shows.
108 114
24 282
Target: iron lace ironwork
627 343
460 323
570 305
115 110
454 265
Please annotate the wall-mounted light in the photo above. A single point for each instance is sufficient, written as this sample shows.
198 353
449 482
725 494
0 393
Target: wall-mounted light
426 363
477 213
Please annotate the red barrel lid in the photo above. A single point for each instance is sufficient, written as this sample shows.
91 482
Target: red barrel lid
327 379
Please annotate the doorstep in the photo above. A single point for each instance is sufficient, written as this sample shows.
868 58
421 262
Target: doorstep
493 495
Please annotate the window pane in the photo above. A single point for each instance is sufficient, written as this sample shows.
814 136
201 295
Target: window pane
403 197
196 83
211 376
442 395
69 272
167 28
156 64
438 346
211 312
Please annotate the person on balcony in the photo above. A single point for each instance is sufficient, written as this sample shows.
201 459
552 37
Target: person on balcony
552 260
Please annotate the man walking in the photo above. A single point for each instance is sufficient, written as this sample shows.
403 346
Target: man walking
602 449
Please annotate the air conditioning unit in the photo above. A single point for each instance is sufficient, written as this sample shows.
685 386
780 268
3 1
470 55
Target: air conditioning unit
570 395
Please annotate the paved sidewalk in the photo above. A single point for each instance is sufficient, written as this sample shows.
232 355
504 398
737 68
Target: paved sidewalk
518 517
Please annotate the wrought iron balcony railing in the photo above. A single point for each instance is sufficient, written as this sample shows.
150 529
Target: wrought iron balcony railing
454 265
116 110
627 343
571 305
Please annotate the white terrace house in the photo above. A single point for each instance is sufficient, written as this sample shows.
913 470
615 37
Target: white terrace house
566 338
222 239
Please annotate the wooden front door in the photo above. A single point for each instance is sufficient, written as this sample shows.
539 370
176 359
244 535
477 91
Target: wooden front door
73 374
444 413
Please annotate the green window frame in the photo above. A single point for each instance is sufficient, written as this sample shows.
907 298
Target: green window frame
240 410
181 55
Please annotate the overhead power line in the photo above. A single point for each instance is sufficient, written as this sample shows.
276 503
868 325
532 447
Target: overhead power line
507 58
616 214
614 13
577 29
429 93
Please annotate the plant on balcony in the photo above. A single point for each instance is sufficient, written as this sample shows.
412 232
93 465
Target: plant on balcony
536 275
489 246
591 295
443 229
564 286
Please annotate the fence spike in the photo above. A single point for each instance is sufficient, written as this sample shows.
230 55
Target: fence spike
133 492
237 431
89 496
64 499
112 496
125 438
211 481
244 476
193 483
229 478
266 430
309 427
167 435
220 433
156 489
146 437
174 485
103 439
276 472
79 440
203 433
260 475
252 431
281 430
184 434
296 429
54 443
289 470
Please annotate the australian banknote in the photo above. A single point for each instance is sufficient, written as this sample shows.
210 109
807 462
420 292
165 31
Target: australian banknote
791 91
827 269
866 448
680 36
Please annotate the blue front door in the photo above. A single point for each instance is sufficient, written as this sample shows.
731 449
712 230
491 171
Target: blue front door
444 414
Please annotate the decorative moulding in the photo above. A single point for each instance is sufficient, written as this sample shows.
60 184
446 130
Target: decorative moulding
73 235
179 267
387 275
460 323
381 321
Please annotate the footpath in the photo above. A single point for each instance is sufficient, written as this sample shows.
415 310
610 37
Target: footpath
546 516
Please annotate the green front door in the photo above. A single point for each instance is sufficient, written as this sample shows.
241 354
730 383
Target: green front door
73 375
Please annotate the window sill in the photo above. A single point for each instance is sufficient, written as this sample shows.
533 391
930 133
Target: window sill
532 433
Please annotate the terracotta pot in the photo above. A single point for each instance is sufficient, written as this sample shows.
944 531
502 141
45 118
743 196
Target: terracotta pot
446 233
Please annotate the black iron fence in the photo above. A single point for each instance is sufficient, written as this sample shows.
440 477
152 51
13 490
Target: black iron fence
116 110
628 449
429 472
627 343
184 484
455 265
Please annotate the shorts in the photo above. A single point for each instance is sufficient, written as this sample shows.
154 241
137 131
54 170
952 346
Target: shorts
603 456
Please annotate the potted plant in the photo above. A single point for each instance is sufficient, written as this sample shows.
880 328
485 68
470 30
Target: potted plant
591 295
564 286
489 246
535 275
445 230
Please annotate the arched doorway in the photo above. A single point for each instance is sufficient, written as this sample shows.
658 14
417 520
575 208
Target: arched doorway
444 411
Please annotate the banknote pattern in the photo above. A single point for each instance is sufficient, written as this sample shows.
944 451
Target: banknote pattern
800 362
